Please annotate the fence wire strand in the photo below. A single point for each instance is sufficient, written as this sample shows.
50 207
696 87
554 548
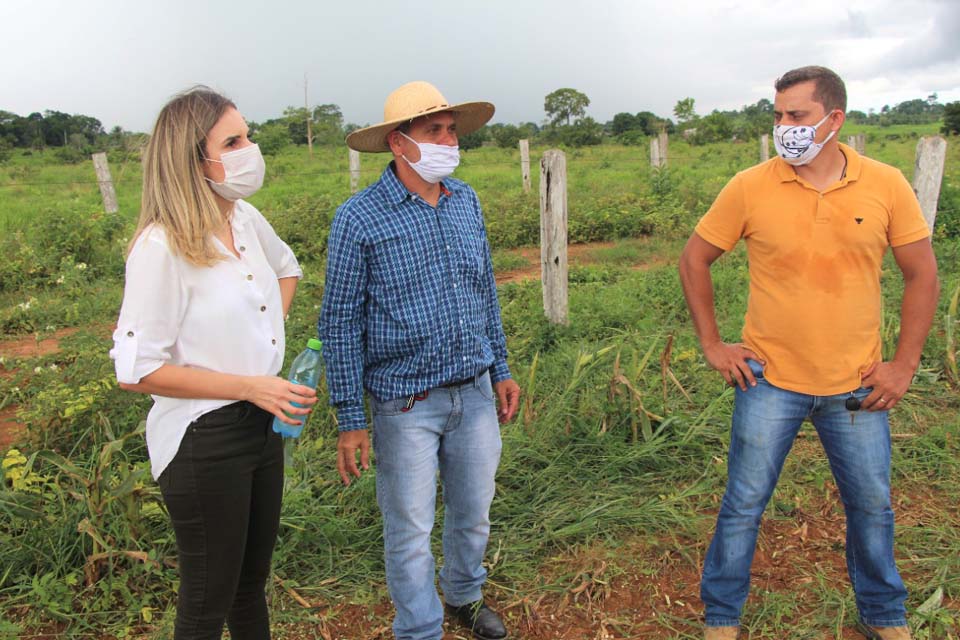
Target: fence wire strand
370 171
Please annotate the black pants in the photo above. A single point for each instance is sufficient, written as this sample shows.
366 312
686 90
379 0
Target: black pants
223 492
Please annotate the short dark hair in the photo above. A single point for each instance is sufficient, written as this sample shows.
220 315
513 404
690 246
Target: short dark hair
830 90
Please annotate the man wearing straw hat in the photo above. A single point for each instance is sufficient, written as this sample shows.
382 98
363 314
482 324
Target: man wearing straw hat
410 314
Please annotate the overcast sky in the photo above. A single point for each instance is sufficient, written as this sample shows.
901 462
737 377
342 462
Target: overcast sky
120 61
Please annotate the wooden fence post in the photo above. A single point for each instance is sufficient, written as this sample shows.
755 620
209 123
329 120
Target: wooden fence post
664 156
858 142
354 170
553 234
525 164
928 174
106 182
654 152
764 147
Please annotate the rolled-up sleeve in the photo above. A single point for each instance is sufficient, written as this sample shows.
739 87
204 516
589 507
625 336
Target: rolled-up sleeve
279 255
152 310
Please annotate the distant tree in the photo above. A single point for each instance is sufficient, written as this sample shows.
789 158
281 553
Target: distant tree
327 124
10 127
507 136
116 137
530 129
716 127
911 107
684 111
272 137
78 141
649 122
57 128
623 122
644 123
566 104
33 134
296 120
586 131
857 116
473 140
951 118
633 137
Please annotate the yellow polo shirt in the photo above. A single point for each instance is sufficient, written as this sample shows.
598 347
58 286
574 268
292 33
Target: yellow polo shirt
814 309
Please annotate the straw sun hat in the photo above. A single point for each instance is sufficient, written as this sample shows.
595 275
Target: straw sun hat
413 100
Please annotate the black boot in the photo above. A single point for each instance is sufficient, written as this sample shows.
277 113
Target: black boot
480 619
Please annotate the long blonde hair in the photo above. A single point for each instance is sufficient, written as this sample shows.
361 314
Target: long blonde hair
176 196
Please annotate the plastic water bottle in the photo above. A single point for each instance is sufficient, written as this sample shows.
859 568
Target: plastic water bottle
306 370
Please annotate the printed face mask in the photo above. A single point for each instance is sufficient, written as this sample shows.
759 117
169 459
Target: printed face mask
437 161
795 143
243 173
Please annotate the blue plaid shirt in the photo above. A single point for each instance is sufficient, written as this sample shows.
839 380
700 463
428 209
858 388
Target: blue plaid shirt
410 301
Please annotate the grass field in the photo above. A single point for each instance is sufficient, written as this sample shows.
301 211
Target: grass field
611 474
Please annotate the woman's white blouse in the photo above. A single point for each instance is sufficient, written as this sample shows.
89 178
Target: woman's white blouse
226 318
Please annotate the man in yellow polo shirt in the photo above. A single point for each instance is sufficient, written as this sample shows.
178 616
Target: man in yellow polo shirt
816 220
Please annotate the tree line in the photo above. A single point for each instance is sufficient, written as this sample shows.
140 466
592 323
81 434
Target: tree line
72 137
567 123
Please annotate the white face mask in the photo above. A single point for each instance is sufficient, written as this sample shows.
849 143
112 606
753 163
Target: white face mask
437 161
794 143
243 173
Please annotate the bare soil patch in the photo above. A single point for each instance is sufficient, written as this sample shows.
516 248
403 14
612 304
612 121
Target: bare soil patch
30 347
12 430
649 587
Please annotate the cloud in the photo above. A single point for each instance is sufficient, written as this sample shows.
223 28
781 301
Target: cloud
936 44
858 25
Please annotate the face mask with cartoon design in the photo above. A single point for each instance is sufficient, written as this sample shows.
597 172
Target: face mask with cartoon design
794 143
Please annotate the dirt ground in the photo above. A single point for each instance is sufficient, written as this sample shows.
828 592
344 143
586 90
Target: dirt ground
656 591
24 347
577 254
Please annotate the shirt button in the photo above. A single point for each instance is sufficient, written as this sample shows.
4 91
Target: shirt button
250 276
448 246
461 322
274 341
129 334
454 285
242 248
263 308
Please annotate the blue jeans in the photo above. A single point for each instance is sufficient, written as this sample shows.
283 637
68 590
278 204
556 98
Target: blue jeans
766 420
455 432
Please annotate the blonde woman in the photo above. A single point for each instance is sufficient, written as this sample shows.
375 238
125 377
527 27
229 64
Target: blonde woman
208 284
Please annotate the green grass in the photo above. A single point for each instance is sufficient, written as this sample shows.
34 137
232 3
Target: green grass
508 261
589 466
